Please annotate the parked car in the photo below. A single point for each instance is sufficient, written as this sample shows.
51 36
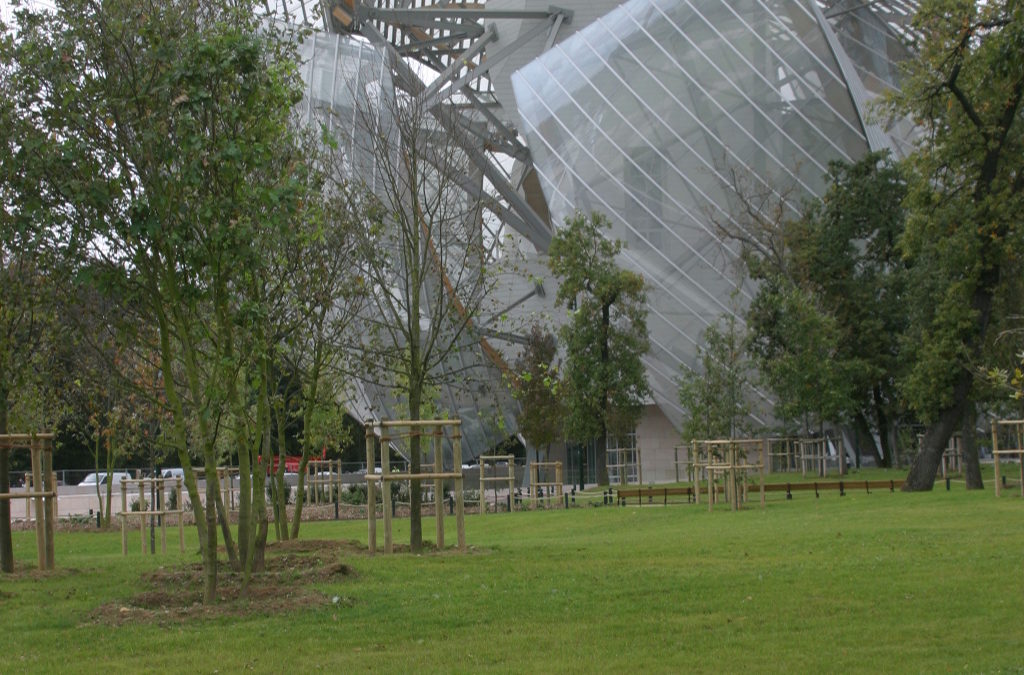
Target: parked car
101 478
172 473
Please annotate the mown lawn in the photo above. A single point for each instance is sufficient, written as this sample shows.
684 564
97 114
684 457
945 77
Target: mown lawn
880 582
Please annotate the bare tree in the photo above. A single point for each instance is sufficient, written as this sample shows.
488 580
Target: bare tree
424 253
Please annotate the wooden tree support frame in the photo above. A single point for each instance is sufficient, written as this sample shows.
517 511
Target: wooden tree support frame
509 478
728 458
434 430
786 451
1011 432
40 446
321 476
814 453
146 487
953 456
624 462
554 488
229 483
685 462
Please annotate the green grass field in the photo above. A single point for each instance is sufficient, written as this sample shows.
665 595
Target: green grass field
880 582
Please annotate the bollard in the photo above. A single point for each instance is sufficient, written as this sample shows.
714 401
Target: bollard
566 500
508 502
574 495
451 503
337 515
947 483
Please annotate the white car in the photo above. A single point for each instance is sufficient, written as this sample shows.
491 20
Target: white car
101 478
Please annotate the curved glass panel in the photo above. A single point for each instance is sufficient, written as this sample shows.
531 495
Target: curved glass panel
650 113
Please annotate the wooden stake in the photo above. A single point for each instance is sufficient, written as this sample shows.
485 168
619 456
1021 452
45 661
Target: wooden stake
37 480
50 516
124 521
439 487
385 466
460 513
995 454
371 496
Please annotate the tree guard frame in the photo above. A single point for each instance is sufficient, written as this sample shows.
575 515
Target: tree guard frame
152 486
483 461
40 446
728 458
392 430
1015 427
553 486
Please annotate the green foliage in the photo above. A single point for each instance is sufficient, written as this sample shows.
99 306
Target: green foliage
536 385
826 322
715 398
964 239
606 335
166 133
794 343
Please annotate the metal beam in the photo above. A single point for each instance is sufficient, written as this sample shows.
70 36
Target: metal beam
463 60
419 14
494 59
532 227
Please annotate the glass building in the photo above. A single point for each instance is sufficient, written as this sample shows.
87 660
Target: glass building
666 115
659 113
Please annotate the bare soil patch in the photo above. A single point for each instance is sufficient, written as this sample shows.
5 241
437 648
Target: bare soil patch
174 594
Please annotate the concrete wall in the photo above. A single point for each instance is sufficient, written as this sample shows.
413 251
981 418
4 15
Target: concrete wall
657 439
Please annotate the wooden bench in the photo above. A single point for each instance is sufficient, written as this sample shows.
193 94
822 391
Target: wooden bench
842 485
640 494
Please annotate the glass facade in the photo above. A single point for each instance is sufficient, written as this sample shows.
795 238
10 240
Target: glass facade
655 112
350 90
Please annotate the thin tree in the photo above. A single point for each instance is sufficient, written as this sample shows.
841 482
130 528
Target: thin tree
424 255
605 337
715 397
536 385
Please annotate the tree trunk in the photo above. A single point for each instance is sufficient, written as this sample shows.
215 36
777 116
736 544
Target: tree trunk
936 438
602 456
259 561
864 436
300 496
415 501
924 467
602 441
971 463
110 478
6 544
96 469
280 489
225 524
210 551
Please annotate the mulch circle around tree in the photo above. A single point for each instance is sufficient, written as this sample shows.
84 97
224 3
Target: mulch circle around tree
174 594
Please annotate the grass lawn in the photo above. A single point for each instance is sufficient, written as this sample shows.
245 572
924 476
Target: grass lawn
880 582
